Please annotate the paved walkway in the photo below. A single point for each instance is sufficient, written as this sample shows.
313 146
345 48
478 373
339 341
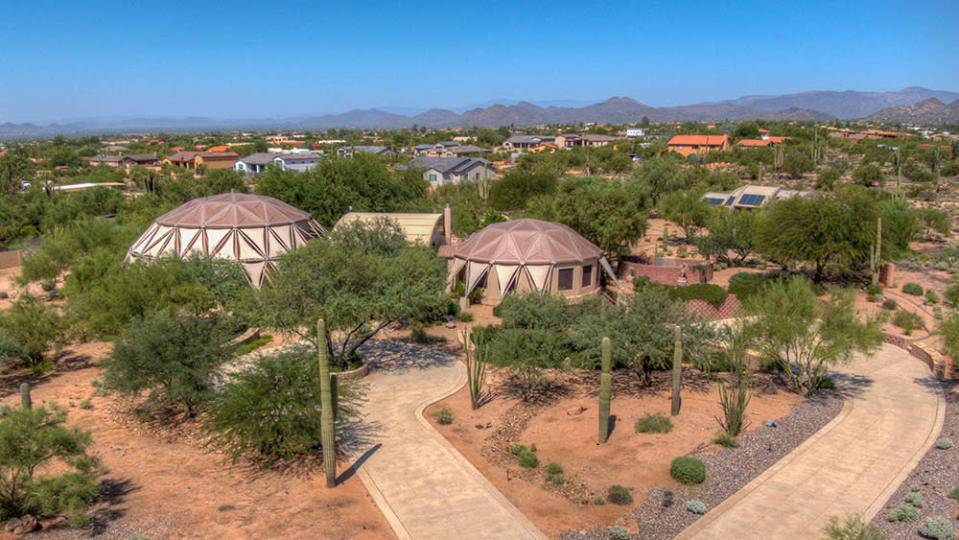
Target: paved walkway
424 487
892 416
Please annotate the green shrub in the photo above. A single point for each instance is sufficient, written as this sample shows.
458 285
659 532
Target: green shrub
619 495
518 449
173 357
952 295
688 470
889 304
85 404
727 440
944 443
914 289
528 460
34 326
271 411
558 479
853 528
714 294
903 513
9 348
696 507
458 290
252 345
654 423
954 494
48 285
937 527
37 439
476 295
418 334
746 284
598 500
444 417
932 297
618 533
915 498
826 383
908 321
464 316
554 468
874 289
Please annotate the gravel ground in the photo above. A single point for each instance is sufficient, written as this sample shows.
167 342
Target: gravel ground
728 470
934 477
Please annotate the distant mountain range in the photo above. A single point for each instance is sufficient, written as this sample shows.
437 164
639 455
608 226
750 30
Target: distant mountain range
910 105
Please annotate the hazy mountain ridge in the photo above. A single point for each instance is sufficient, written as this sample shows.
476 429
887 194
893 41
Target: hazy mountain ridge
804 106
927 111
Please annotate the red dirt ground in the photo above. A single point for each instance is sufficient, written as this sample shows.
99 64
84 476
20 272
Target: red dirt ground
162 487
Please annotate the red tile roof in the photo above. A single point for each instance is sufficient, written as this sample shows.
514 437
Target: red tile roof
754 142
699 140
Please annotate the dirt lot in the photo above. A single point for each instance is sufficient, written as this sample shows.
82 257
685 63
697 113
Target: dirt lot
161 485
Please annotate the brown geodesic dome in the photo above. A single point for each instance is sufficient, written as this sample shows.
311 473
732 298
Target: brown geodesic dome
251 229
527 254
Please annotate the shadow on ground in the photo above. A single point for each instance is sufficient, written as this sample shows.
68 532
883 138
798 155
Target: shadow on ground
389 356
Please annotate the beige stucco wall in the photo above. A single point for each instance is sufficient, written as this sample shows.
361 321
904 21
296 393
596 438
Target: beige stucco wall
491 295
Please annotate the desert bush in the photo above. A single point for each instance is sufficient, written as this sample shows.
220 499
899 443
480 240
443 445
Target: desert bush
696 507
827 384
271 412
598 500
37 439
908 321
654 423
745 284
247 348
874 289
889 304
932 297
619 495
734 400
954 494
714 294
688 470
915 498
554 468
34 326
518 449
903 513
476 295
937 527
852 528
914 289
9 348
464 316
618 533
952 295
726 440
48 285
172 357
444 417
944 443
528 460
418 334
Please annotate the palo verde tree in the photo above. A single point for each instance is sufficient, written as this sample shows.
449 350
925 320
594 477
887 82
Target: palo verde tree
729 231
803 336
686 209
359 279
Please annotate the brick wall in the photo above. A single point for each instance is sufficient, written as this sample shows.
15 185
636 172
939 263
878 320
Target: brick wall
696 271
9 259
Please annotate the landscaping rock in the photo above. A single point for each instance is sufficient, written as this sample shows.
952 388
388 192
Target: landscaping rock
25 525
576 411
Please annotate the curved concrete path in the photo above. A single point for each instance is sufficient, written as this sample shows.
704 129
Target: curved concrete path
424 487
893 413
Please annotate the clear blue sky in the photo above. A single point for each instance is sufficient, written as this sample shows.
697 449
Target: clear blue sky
68 59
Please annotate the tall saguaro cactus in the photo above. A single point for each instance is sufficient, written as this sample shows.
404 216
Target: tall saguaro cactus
875 253
25 401
327 428
677 369
605 392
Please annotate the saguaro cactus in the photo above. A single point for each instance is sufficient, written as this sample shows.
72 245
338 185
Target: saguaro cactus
875 253
327 428
677 369
605 392
25 400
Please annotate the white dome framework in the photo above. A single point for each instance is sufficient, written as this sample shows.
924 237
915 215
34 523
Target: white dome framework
252 230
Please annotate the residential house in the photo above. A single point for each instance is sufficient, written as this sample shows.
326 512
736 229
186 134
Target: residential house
698 144
526 142
347 151
440 149
297 162
750 196
635 132
754 143
569 140
203 160
254 163
125 161
465 150
443 170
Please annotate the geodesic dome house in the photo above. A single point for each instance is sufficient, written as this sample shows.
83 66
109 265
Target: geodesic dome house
528 255
251 229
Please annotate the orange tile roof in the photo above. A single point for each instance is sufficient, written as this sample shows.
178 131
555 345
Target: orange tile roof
699 140
778 140
754 142
221 148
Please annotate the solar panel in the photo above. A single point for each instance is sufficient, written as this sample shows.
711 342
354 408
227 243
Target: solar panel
714 201
729 201
752 200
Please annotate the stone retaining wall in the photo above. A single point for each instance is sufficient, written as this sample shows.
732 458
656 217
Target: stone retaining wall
940 365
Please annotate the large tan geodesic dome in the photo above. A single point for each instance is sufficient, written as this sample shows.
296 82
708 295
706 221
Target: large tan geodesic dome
526 255
251 229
